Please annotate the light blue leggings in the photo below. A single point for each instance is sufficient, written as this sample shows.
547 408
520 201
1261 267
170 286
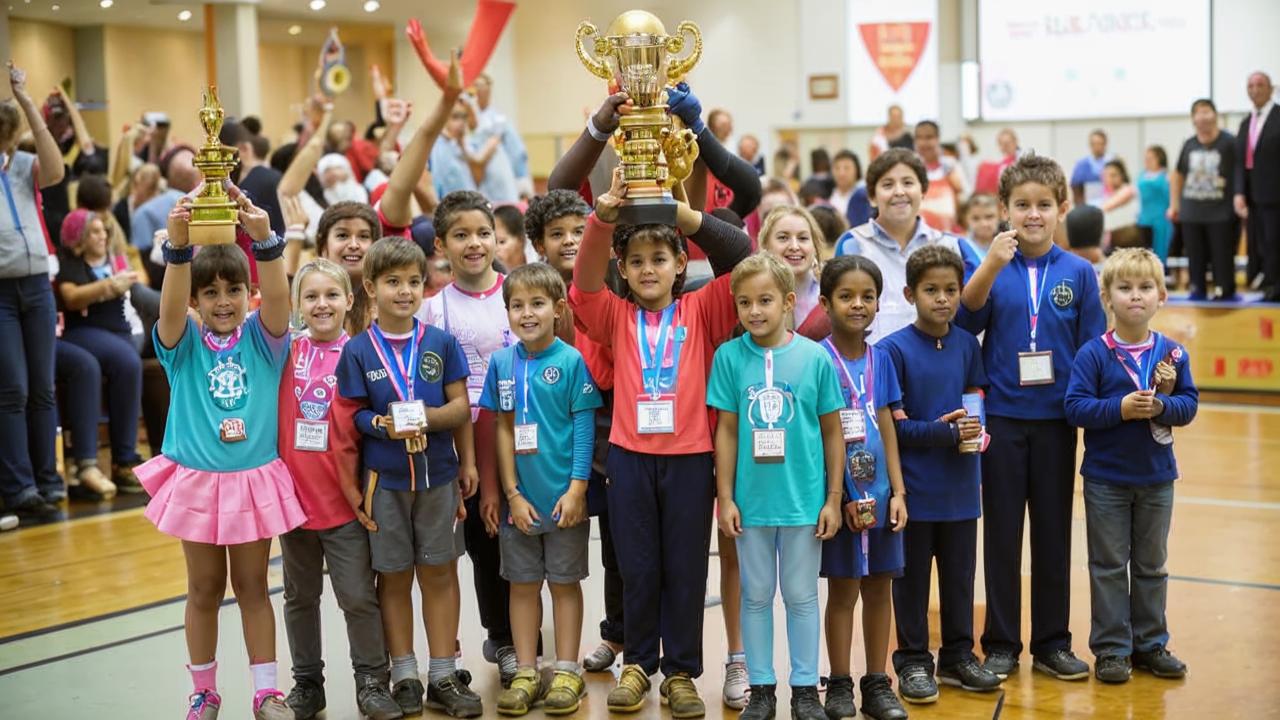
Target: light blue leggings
761 550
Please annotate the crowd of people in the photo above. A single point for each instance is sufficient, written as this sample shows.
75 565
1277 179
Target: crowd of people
408 356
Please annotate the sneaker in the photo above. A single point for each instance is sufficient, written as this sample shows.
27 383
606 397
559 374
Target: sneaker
1061 664
763 704
1113 669
408 695
306 699
1161 663
204 705
34 508
805 704
124 479
600 659
840 704
55 495
736 685
92 479
452 695
524 691
566 693
878 699
269 705
917 685
628 695
505 657
969 675
8 521
374 701
1001 664
680 694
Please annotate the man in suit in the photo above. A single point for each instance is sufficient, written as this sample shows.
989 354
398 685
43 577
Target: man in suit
1258 184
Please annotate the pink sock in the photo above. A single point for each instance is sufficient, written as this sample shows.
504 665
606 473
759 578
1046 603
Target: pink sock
204 677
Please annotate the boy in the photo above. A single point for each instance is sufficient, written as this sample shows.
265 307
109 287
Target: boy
540 387
936 364
410 379
1037 304
1128 388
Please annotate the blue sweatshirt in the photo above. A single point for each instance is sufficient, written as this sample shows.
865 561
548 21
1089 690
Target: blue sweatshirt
1126 452
943 485
1070 315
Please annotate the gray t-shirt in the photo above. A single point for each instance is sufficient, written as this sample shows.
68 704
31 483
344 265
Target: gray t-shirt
1208 173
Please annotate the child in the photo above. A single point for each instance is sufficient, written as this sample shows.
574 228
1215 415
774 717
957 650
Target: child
778 400
936 365
867 552
320 444
793 236
510 242
219 484
981 219
1037 304
660 466
1128 388
540 388
409 380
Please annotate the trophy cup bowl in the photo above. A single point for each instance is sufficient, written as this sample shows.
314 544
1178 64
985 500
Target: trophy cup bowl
213 213
639 56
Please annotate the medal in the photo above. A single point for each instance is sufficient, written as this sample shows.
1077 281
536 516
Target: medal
656 409
1034 368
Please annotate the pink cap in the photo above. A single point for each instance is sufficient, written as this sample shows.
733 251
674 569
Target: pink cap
74 227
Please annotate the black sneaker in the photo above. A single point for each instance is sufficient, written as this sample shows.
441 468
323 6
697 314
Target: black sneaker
878 699
762 703
1061 664
805 704
1112 669
1001 664
408 695
969 675
840 703
34 507
505 657
306 699
1161 663
374 701
452 695
917 685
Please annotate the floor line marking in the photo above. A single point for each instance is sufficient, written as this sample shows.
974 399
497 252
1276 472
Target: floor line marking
1221 502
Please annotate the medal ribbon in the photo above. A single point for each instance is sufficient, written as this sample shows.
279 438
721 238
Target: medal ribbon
846 379
1035 290
309 376
220 347
521 372
402 373
1139 372
651 358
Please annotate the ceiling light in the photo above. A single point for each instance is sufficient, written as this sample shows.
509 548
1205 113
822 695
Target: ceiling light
295 29
184 16
372 6
55 8
104 4
317 4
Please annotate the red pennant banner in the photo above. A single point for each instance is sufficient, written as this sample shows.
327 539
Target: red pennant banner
895 48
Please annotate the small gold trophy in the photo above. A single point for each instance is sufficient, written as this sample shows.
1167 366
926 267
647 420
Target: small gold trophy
213 214
654 154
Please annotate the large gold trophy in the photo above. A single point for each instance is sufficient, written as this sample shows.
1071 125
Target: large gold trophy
213 213
654 153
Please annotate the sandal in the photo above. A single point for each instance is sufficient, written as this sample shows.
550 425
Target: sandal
92 479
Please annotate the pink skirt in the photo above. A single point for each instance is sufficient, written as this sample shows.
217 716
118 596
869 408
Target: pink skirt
220 508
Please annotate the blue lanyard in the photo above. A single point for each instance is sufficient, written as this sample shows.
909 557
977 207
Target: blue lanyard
8 195
401 373
521 371
1139 371
1035 293
651 359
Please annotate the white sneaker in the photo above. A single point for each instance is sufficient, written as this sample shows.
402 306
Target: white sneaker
8 522
736 685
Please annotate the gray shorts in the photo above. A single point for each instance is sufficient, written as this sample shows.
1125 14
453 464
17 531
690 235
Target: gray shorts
557 556
415 528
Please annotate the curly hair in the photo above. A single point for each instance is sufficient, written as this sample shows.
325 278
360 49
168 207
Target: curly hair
930 257
664 234
544 209
1032 168
455 203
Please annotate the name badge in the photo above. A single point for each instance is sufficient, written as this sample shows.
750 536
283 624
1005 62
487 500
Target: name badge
853 424
655 417
768 446
407 418
1035 368
232 430
526 438
310 435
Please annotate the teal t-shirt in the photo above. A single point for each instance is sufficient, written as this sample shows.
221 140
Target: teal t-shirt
789 493
546 390
208 388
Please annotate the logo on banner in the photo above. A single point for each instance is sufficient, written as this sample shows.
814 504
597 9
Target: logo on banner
895 48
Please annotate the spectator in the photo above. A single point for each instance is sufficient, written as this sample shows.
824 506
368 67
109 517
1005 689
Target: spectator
941 205
157 139
1084 232
1153 199
80 154
488 122
339 181
846 171
820 162
832 224
454 163
144 183
1120 205
749 150
721 124
1200 196
258 180
509 236
988 174
1257 185
1086 178
893 134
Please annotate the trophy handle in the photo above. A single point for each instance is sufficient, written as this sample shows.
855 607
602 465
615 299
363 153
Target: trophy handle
596 66
677 68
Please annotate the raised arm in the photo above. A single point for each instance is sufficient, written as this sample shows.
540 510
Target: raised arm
48 156
396 201
85 140
724 244
175 292
576 164
727 167
273 283
593 255
305 157
978 288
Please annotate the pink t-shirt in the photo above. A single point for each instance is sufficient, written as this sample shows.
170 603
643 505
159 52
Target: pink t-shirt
479 322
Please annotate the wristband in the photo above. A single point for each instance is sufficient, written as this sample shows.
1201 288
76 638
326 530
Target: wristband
269 249
176 255
595 133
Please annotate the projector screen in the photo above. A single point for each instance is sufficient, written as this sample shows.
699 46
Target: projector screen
1048 59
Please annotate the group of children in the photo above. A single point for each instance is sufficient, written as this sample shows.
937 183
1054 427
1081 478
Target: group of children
390 446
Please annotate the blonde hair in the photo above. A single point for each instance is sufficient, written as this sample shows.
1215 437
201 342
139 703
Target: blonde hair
534 276
1138 263
763 263
776 216
329 269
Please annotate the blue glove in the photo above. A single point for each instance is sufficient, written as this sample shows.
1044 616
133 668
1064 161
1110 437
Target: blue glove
682 103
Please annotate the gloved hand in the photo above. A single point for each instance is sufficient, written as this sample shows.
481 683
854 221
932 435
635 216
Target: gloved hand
682 103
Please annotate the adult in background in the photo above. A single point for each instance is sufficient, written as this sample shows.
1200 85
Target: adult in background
80 154
1257 186
1200 196
749 150
488 121
1086 178
259 180
182 177
1153 198
987 178
941 205
893 134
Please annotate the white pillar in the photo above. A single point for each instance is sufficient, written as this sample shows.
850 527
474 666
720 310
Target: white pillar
236 45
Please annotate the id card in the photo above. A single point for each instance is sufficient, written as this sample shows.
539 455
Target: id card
853 424
311 435
232 430
526 438
407 418
768 446
655 417
1035 368
1161 433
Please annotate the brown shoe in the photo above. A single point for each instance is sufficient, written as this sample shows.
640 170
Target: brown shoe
124 479
92 479
679 693
633 686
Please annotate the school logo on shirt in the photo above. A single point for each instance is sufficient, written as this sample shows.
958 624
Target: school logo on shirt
227 384
431 368
551 375
1062 294
770 406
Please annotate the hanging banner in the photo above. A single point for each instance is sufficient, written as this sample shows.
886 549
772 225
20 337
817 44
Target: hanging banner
893 59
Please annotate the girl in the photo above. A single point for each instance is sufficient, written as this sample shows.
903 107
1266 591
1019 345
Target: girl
1153 196
865 555
1120 204
319 444
660 465
219 485
345 232
791 234
981 219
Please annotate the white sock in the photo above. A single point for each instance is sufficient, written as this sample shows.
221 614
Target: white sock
404 668
264 676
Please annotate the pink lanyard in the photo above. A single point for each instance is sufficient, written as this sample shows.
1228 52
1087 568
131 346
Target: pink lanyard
314 383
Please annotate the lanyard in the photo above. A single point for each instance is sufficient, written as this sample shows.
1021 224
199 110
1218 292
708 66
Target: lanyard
522 383
651 358
221 347
8 195
1035 291
313 383
856 395
1139 371
402 374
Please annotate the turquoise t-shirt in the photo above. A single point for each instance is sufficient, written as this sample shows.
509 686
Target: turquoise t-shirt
207 388
782 494
556 384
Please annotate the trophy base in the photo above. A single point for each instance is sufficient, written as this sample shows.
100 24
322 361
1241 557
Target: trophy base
648 211
211 233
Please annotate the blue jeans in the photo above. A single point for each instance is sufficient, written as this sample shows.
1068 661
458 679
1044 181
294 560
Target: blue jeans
1128 530
797 552
121 365
80 406
27 416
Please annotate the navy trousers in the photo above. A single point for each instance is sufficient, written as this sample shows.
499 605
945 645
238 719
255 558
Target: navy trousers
955 545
